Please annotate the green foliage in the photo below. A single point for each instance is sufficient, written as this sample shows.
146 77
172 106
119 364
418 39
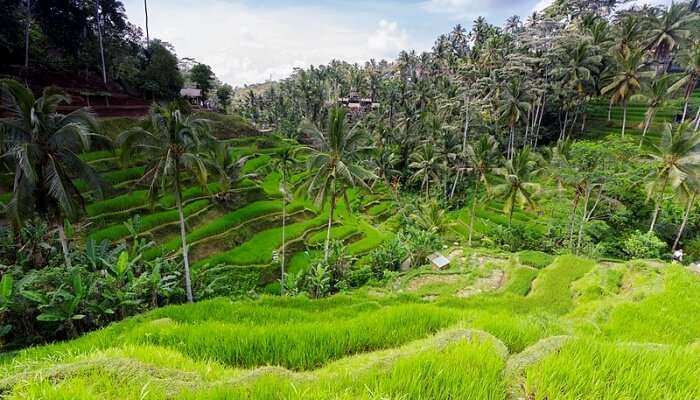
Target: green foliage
643 245
388 257
535 259
583 369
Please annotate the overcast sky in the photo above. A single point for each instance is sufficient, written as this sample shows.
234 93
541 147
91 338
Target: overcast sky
246 41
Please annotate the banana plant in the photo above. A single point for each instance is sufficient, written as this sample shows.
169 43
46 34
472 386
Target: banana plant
6 299
61 305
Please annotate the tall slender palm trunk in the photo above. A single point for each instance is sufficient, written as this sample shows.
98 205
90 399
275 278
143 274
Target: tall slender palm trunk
183 235
473 213
98 21
688 91
145 9
330 223
624 117
284 226
697 119
610 110
27 27
689 206
64 242
647 122
657 207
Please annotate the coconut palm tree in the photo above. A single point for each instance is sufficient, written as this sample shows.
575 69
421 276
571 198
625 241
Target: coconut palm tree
626 80
335 162
218 158
171 146
518 189
482 157
44 147
676 156
668 31
283 162
514 108
656 93
690 60
428 167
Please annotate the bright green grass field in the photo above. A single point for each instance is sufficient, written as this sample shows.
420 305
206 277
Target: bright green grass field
522 338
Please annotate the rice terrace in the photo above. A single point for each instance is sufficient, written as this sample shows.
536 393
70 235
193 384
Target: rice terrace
230 199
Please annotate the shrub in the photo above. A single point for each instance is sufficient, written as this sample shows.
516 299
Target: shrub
643 245
388 257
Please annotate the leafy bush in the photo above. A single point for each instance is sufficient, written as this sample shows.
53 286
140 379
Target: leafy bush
387 257
643 245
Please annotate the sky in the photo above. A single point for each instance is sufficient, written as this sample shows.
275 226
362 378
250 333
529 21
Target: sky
252 41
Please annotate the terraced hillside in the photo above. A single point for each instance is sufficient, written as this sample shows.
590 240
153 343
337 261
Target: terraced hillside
235 239
493 326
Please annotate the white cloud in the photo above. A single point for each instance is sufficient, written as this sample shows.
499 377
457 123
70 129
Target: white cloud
458 9
388 40
542 4
244 44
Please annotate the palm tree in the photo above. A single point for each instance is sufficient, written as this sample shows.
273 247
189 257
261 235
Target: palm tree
626 81
283 162
667 32
218 158
335 162
690 60
676 158
427 166
517 190
482 156
43 145
513 109
656 93
170 147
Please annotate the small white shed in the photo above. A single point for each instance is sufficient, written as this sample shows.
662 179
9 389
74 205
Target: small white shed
438 261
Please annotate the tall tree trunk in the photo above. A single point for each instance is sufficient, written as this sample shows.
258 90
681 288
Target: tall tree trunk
572 220
27 27
98 21
586 200
539 121
284 226
657 207
145 9
330 223
466 124
183 235
647 122
454 185
697 119
688 91
624 117
691 200
610 110
64 242
473 213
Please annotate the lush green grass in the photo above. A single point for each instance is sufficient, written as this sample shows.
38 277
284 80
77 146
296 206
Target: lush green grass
147 222
364 345
341 232
536 259
671 316
224 223
588 369
258 250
